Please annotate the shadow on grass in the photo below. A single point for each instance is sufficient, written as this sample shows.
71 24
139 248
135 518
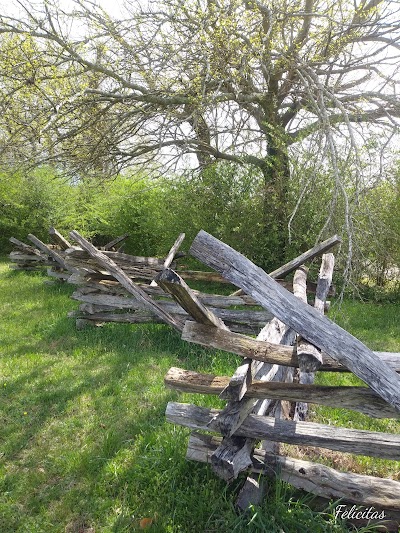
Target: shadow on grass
84 438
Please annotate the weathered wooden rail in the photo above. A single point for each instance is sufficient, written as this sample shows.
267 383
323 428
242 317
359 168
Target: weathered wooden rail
264 403
41 256
106 296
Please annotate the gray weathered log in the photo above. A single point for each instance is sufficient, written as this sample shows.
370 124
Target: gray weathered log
198 275
317 250
227 461
215 300
232 456
359 442
22 266
115 241
58 239
76 253
263 351
171 254
119 275
172 283
252 491
47 250
139 317
310 358
26 248
103 300
134 271
311 477
304 319
361 399
21 257
147 317
297 262
324 281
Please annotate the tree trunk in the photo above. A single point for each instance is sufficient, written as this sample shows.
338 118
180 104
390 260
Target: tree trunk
276 172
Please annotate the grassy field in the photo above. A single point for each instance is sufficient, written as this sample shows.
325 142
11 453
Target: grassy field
84 446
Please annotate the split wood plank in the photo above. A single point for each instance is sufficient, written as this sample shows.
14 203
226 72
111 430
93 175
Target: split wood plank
171 254
304 319
253 490
148 317
116 241
310 358
265 351
234 413
101 300
59 239
311 477
47 250
233 455
75 253
324 281
172 283
105 302
23 266
140 317
361 399
120 275
359 442
24 247
297 262
198 275
20 257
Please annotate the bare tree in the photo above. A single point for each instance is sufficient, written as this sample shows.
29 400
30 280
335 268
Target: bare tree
246 81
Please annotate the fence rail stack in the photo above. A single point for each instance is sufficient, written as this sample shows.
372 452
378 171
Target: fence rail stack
103 298
265 405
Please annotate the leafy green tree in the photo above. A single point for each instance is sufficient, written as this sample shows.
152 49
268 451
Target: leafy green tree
259 83
31 203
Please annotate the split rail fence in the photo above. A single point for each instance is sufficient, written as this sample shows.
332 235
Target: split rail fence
39 256
265 405
104 298
268 395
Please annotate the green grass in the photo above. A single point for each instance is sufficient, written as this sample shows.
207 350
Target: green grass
83 438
